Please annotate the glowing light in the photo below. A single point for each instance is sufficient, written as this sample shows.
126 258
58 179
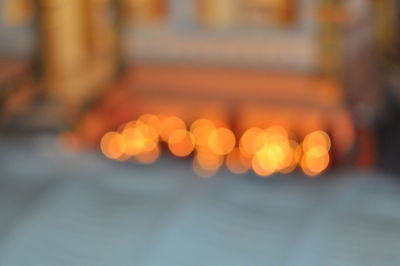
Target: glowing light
206 162
317 138
235 162
181 143
245 158
271 148
149 134
152 121
277 131
147 131
112 145
201 130
258 168
221 141
135 141
130 124
251 141
148 157
293 157
315 160
264 151
169 125
275 135
139 138
264 164
203 122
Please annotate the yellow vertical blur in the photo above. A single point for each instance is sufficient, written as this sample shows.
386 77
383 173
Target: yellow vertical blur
217 13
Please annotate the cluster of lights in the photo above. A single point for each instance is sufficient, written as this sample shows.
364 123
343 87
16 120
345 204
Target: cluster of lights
265 151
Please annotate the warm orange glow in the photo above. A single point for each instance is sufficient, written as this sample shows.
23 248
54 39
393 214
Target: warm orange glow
264 163
150 135
284 156
181 143
293 157
201 130
277 132
208 160
249 143
139 137
315 160
272 150
112 145
147 131
236 163
169 125
221 141
201 123
135 141
130 124
317 138
275 137
266 151
152 121
258 169
148 157
245 158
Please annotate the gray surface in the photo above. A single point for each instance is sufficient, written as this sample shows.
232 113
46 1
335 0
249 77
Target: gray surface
59 208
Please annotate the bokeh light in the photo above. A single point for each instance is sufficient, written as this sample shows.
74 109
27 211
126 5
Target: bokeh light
236 163
317 138
149 157
181 143
201 130
169 125
152 121
222 141
315 160
264 162
316 146
293 158
139 137
113 145
249 143
265 151
206 163
134 140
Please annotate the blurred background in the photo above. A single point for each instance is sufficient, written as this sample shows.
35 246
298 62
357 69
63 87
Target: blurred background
192 132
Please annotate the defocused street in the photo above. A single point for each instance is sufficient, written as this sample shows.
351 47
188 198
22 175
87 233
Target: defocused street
62 208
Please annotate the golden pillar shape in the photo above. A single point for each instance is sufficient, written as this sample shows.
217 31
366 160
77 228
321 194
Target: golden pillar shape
217 13
78 42
63 46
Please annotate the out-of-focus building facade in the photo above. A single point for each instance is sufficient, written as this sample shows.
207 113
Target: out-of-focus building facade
302 64
78 47
297 60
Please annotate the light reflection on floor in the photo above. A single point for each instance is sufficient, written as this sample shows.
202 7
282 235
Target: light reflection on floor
61 208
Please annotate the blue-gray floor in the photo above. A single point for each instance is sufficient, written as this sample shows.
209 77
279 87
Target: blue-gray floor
60 208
